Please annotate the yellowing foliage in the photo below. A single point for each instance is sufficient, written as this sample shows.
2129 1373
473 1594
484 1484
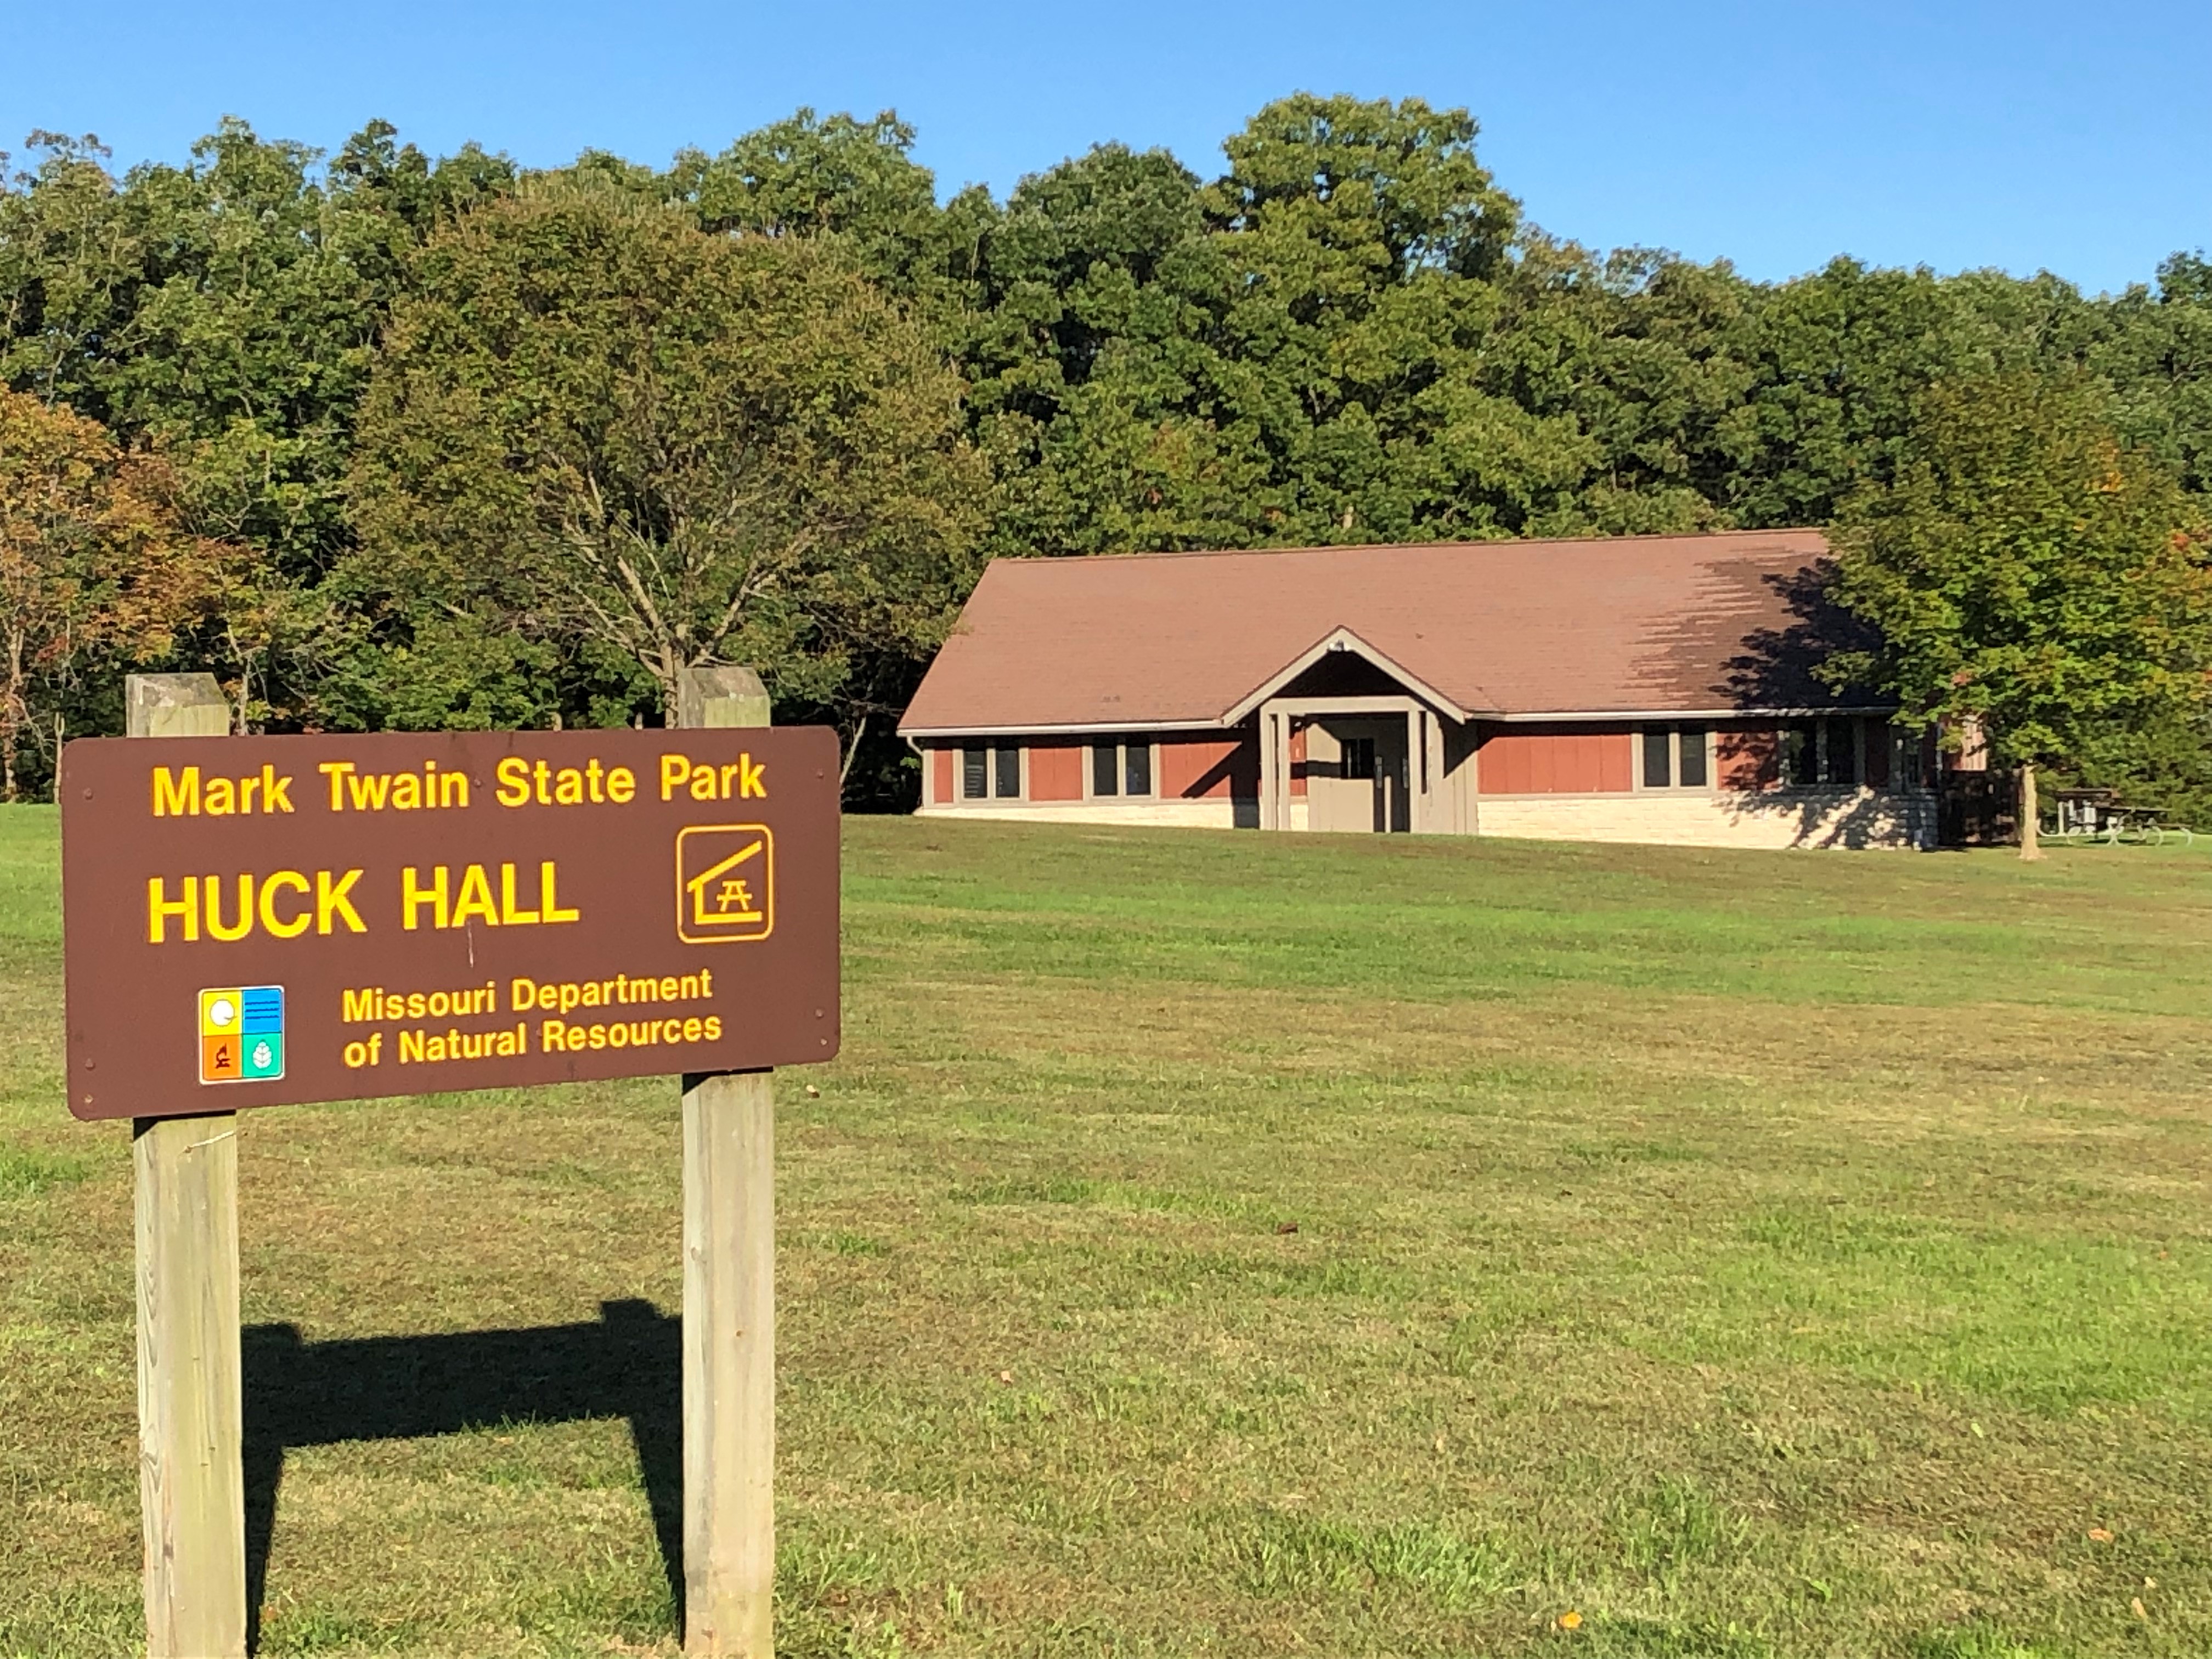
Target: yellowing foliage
94 556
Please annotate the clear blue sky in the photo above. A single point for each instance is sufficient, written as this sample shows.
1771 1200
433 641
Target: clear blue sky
2023 135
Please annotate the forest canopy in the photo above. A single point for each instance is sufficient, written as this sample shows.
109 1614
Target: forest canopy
446 443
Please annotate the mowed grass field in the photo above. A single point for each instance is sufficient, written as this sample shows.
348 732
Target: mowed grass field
1239 1246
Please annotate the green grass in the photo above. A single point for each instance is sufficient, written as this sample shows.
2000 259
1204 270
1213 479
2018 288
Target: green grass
1250 1246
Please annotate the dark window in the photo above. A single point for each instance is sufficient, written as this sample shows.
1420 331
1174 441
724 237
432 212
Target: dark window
1358 757
1800 757
974 774
1105 779
1009 781
1138 769
1657 773
1904 759
1839 764
1694 757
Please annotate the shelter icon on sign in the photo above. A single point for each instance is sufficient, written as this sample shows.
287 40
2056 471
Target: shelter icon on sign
724 883
242 1032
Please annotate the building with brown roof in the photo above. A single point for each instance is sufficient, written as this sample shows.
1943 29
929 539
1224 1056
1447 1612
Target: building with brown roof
1650 688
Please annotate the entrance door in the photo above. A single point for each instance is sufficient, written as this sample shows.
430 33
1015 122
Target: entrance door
1356 774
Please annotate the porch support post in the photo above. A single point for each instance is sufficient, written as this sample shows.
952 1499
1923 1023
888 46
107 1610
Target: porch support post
1417 762
1468 798
1264 730
1274 767
1440 787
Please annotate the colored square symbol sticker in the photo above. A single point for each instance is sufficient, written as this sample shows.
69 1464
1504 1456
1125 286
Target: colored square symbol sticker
219 1060
220 1012
724 883
242 1033
263 1054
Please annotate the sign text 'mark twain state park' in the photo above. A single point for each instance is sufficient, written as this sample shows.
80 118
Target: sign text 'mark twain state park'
251 921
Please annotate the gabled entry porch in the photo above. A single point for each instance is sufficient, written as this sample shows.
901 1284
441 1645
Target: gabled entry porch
1369 763
1349 741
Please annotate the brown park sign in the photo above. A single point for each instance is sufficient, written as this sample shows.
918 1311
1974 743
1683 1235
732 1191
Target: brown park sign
253 921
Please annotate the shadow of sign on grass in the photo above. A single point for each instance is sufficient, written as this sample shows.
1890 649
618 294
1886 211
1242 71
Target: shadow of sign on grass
628 1364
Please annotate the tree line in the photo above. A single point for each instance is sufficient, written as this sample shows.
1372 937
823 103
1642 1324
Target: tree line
391 440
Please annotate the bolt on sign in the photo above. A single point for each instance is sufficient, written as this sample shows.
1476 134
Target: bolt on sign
251 921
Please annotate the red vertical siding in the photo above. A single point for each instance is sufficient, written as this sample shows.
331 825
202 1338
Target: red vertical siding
1505 768
1204 768
1298 748
1552 760
1616 754
1749 756
940 776
1056 771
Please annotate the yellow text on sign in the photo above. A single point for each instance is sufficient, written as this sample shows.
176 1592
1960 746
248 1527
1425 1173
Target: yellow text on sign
400 792
522 784
449 903
284 904
742 779
185 795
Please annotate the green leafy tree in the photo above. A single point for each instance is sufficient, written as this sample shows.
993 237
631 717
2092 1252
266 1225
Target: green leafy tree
2030 574
225 311
2162 765
1363 239
1103 390
69 270
836 175
1296 352
1627 367
1839 359
2155 349
594 426
810 175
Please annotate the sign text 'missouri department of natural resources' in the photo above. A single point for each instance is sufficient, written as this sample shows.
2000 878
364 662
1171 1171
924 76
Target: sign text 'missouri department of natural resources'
250 921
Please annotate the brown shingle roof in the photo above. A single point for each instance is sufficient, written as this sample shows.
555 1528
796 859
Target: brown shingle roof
1631 624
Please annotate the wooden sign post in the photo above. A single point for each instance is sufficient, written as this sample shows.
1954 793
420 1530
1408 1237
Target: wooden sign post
268 919
191 1475
729 1311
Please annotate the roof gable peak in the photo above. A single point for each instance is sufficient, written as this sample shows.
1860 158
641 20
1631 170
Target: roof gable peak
1341 638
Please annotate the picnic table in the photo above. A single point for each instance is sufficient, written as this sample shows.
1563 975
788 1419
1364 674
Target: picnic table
2100 815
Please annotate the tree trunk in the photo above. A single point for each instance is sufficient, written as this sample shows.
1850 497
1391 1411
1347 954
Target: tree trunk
2031 843
12 714
852 751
